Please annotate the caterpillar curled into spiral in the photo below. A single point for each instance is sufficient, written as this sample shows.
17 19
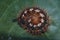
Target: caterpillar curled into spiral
34 20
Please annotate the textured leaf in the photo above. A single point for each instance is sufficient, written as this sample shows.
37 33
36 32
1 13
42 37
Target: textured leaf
9 9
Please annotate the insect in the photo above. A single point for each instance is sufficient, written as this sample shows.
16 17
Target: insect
34 20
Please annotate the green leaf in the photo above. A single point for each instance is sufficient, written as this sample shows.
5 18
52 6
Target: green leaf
10 9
